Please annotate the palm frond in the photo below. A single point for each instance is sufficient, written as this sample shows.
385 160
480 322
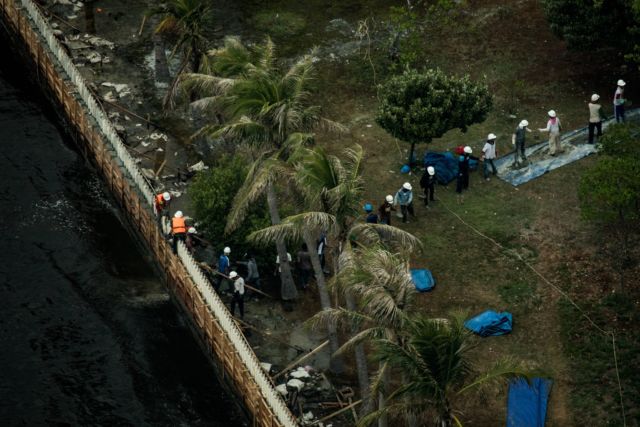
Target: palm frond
502 371
390 236
259 176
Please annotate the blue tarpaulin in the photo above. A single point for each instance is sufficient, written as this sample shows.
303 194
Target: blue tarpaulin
446 165
527 402
423 279
490 323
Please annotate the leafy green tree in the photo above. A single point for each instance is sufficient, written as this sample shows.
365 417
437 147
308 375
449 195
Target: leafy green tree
621 140
268 108
416 107
589 24
333 188
435 360
610 197
212 193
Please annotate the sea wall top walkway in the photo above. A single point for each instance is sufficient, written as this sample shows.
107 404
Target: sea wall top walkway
217 329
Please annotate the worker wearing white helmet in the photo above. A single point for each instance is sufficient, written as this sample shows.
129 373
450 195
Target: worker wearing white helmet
404 198
489 154
462 180
595 117
553 127
191 240
161 204
385 210
519 140
238 293
428 184
618 101
224 267
178 229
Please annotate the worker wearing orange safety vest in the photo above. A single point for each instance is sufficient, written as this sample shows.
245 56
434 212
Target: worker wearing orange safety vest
178 229
161 204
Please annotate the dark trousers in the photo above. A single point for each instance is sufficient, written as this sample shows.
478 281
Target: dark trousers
592 128
619 112
305 275
485 169
406 210
429 192
462 182
176 237
239 300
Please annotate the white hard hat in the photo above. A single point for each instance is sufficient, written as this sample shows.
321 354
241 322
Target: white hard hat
468 150
551 113
191 230
491 136
178 214
621 82
227 250
233 275
406 186
166 196
595 97
524 124
431 170
389 198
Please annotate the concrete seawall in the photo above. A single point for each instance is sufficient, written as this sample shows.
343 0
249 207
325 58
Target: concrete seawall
219 335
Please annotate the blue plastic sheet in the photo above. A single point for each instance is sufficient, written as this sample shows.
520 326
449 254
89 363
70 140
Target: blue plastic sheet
490 323
423 279
446 165
527 402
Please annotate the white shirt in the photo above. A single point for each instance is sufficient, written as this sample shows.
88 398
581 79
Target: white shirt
618 97
278 260
553 128
238 285
489 151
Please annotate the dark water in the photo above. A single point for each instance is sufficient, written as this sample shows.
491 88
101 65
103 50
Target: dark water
88 335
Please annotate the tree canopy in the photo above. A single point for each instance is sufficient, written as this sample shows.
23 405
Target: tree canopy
588 24
419 106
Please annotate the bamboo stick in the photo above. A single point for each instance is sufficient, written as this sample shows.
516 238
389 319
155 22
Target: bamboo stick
335 414
302 359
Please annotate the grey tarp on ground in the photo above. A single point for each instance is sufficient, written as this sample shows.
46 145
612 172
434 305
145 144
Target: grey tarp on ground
574 143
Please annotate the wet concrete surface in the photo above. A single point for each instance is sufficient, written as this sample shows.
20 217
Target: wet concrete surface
89 335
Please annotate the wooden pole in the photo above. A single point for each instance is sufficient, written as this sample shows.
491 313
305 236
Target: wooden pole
206 267
144 20
335 414
302 359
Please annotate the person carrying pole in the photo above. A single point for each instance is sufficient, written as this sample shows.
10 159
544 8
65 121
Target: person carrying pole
518 140
238 294
178 229
161 206
224 266
553 127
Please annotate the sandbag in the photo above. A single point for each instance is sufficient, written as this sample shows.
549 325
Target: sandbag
490 323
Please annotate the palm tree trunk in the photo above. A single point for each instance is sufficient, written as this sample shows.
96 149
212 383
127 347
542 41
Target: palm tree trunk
361 363
288 289
89 17
411 419
161 66
382 401
336 364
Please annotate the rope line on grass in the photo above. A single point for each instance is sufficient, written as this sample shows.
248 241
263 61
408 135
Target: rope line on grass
584 314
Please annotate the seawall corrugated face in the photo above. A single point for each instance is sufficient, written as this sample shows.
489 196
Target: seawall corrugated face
216 328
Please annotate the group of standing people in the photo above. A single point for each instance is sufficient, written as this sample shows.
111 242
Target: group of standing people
180 230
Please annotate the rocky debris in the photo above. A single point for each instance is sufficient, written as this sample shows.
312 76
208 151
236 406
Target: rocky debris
200 166
266 367
121 89
282 389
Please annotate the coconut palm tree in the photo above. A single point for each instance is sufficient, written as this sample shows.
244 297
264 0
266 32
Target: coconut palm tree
382 283
333 187
435 360
184 21
269 109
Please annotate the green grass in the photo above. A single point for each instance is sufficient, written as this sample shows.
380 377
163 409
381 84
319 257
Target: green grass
590 355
